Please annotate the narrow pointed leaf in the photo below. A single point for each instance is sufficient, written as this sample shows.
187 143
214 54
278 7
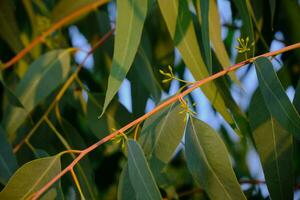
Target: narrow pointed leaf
275 148
66 7
129 25
203 15
216 38
12 98
125 188
140 174
247 28
162 133
209 163
9 28
275 97
179 22
31 177
8 162
272 8
296 100
43 76
115 117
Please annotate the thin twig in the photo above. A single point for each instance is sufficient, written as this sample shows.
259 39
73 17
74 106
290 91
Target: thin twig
54 27
155 110
63 90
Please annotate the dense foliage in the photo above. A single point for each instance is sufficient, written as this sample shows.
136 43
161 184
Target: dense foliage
100 99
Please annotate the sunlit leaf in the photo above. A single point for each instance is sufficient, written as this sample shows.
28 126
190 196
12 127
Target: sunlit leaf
275 148
209 162
275 97
161 135
178 19
43 76
129 25
140 175
8 162
66 7
216 38
31 177
125 188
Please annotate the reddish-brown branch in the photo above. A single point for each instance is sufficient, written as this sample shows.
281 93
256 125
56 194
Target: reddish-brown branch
155 110
54 27
64 89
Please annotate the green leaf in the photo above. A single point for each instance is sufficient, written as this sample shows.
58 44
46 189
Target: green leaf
140 174
275 148
13 100
43 76
273 93
202 8
64 8
83 169
296 100
9 28
125 188
129 25
8 162
247 28
178 19
272 8
148 79
31 177
115 117
209 163
216 38
161 134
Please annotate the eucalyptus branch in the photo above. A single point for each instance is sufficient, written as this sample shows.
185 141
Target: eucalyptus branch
57 25
62 91
171 100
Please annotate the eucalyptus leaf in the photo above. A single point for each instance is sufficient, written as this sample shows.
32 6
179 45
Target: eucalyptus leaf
129 25
216 38
140 174
209 162
125 188
275 148
203 9
12 98
247 28
31 177
296 100
179 22
9 28
43 76
275 97
66 7
161 135
84 168
8 162
272 8
115 116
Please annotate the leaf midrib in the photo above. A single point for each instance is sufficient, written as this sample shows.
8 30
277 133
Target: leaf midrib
207 161
276 157
42 175
279 102
139 173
